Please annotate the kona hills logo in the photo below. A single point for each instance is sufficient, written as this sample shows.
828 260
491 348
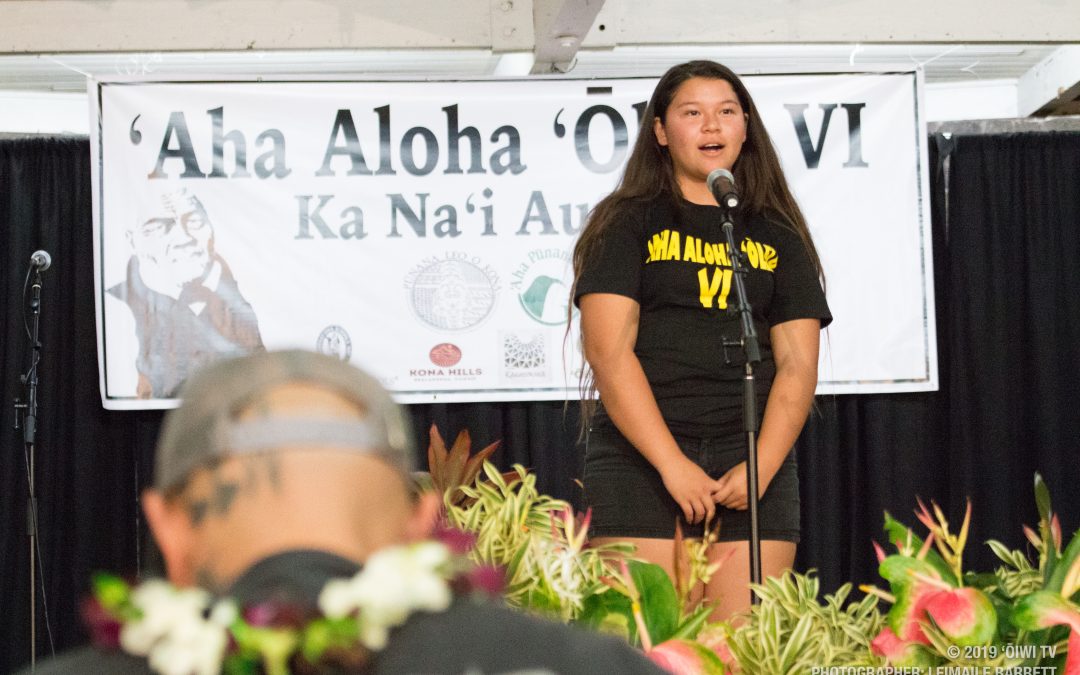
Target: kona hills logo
445 355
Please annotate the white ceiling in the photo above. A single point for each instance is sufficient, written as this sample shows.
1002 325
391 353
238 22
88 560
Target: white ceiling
940 62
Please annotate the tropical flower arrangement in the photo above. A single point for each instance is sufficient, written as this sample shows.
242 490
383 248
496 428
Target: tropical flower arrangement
941 618
1023 615
501 535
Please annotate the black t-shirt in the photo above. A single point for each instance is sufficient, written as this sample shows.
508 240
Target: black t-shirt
672 258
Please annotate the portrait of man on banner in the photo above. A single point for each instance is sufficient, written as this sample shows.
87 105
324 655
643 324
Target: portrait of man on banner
185 305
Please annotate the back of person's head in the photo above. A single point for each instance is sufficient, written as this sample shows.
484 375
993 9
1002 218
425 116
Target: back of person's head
279 451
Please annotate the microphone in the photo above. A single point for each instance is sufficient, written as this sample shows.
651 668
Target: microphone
722 186
41 260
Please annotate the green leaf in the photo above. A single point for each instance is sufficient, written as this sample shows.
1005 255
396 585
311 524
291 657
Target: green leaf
240 664
1042 498
609 612
897 531
113 593
1056 576
692 624
324 633
659 601
796 642
543 601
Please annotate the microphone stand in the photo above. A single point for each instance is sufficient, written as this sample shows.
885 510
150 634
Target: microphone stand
29 412
752 349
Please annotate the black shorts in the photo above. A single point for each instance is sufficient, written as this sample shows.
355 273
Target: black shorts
628 497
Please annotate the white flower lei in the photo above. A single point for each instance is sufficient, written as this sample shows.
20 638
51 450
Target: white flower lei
177 636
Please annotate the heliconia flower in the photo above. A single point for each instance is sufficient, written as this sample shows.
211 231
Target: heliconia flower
686 657
965 615
581 525
880 552
1055 532
925 549
575 529
1032 537
923 514
899 652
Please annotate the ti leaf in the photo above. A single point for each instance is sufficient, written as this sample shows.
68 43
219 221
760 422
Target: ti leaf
659 601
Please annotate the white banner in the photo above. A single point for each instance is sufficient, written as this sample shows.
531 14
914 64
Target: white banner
423 230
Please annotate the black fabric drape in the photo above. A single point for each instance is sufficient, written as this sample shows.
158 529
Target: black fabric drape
1013 300
1008 319
86 460
1006 212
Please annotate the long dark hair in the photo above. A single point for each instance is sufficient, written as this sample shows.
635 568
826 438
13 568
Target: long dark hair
649 174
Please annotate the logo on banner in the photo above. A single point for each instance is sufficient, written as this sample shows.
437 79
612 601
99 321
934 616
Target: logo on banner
445 373
445 355
524 355
334 341
453 293
542 283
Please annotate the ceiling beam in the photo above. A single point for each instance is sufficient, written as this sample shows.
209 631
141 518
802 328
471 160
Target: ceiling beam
561 27
1051 86
552 29
511 25
648 22
65 26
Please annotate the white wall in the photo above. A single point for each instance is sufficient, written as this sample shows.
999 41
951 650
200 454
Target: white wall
971 100
44 113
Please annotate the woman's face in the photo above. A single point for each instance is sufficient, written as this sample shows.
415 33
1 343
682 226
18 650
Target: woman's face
704 129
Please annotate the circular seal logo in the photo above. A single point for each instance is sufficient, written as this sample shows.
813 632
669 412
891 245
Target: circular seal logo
334 341
453 294
445 355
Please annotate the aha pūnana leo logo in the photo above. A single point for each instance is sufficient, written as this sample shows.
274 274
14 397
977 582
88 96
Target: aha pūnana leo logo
542 283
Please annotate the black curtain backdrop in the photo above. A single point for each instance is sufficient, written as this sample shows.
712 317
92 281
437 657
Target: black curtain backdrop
1006 234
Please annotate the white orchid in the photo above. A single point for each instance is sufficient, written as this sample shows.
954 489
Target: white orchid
394 583
173 632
